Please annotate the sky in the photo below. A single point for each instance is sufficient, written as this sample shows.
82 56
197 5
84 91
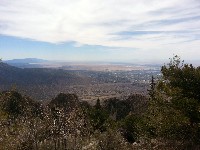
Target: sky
100 30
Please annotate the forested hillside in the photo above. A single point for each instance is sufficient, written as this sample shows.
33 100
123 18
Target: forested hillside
37 76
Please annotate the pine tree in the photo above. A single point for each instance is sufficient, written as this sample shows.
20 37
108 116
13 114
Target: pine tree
98 104
152 89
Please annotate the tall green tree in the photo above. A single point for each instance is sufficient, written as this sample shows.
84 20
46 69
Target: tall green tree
174 105
181 83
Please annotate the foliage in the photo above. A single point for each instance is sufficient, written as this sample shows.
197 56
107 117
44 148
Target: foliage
112 140
182 83
173 111
98 117
119 109
132 127
49 130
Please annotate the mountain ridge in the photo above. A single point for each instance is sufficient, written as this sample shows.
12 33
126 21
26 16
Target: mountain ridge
25 60
36 76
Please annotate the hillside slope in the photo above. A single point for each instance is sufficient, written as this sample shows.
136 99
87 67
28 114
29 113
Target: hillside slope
38 76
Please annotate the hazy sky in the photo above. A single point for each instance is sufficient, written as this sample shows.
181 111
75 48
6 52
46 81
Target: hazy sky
115 30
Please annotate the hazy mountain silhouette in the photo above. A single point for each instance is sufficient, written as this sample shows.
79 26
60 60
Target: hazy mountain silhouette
26 60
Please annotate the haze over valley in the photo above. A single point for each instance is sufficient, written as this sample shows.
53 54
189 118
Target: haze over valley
43 80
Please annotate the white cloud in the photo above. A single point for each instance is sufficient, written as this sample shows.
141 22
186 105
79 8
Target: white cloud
99 22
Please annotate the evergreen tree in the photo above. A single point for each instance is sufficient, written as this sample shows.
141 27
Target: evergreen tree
152 88
98 104
173 111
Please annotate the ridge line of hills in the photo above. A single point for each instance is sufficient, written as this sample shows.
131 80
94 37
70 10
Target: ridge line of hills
14 75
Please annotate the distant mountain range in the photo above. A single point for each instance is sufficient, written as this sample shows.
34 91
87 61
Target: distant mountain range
26 61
